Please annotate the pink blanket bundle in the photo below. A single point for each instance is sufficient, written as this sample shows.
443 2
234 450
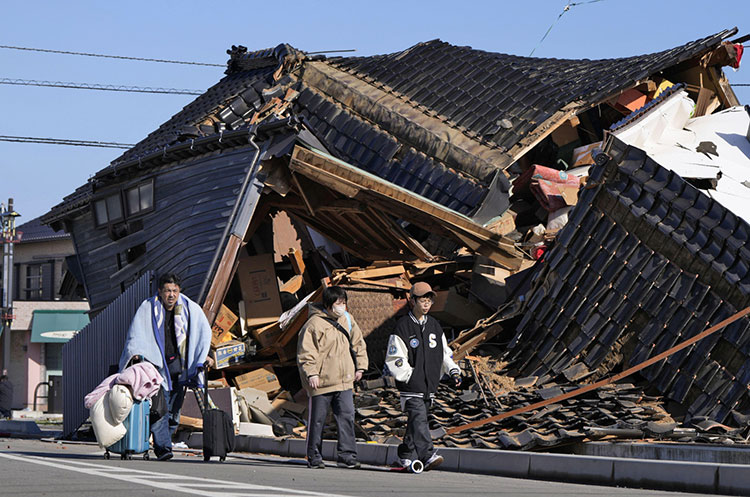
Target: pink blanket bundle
143 379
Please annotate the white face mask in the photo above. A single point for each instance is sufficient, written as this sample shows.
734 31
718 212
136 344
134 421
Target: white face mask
338 310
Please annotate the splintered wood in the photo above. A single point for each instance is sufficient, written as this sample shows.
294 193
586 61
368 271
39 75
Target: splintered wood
488 372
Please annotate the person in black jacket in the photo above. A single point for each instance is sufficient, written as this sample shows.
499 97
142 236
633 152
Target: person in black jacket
418 357
6 396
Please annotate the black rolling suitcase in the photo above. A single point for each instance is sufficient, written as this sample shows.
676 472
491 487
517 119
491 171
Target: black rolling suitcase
218 429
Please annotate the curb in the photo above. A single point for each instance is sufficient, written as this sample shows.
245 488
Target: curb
696 477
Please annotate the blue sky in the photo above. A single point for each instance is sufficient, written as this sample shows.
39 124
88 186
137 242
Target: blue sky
38 176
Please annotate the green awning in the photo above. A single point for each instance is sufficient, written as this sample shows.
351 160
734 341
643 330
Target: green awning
57 326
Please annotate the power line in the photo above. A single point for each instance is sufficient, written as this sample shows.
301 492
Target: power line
142 59
63 141
95 86
565 9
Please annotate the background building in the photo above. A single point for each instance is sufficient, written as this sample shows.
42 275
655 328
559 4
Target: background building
48 310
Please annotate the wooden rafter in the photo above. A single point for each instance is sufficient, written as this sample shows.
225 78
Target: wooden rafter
347 179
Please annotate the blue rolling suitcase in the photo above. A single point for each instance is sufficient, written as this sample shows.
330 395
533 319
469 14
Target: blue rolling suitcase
138 428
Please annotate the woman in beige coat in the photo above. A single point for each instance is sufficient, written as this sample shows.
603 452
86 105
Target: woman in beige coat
331 356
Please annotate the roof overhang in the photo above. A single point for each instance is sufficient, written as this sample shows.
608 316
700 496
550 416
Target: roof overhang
57 326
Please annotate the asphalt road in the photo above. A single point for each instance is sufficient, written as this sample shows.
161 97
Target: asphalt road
32 467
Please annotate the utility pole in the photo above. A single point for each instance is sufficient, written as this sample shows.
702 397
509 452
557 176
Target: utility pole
8 237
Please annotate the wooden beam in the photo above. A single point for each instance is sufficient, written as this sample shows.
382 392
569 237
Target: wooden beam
405 287
468 344
295 258
223 277
378 272
341 177
293 285
400 233
543 130
302 194
723 89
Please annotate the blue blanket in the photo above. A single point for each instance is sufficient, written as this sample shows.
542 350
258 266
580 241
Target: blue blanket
146 338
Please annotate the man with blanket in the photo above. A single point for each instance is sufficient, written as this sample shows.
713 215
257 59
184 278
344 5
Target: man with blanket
171 332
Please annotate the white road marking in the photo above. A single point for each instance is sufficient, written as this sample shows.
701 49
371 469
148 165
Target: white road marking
167 481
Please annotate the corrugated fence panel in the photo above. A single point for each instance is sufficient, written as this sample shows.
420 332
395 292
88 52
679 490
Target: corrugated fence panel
88 356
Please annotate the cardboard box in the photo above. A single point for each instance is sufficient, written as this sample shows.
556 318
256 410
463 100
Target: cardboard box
502 225
267 335
225 319
564 134
582 155
261 379
256 430
228 353
260 290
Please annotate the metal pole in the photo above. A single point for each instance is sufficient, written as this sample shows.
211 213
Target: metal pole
8 233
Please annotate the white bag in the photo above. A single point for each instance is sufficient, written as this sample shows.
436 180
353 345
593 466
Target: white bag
106 430
120 402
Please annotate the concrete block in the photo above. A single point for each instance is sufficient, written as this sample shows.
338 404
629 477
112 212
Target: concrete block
372 453
195 440
733 480
667 475
18 427
391 454
329 450
297 447
494 462
242 443
452 458
272 446
564 467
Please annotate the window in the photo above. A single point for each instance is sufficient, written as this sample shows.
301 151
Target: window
140 198
34 281
108 209
53 357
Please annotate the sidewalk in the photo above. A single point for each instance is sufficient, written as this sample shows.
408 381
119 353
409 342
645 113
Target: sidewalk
622 471
685 476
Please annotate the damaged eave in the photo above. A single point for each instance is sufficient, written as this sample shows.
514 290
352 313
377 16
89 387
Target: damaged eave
408 123
346 179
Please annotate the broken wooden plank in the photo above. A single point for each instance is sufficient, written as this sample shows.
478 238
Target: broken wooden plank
374 273
400 285
295 258
468 344
293 285
220 283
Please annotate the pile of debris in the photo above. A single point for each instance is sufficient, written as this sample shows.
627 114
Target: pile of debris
522 189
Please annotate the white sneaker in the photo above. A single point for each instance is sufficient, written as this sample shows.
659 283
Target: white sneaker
405 463
433 462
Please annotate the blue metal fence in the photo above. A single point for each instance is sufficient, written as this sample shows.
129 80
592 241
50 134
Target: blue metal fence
89 356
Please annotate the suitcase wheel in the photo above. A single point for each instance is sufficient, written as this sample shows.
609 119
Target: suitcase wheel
145 456
106 455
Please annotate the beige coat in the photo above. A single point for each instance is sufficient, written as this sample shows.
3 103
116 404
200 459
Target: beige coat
323 350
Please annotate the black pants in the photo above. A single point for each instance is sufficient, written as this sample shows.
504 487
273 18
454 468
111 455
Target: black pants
417 443
343 411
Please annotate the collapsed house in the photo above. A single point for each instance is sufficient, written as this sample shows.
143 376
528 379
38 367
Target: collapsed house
401 161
